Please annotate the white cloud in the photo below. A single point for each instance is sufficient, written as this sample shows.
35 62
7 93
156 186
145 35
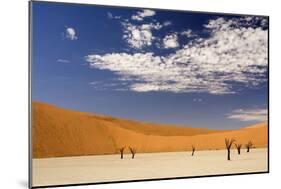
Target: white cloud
70 33
197 100
108 85
170 41
188 33
235 53
249 114
167 23
63 61
139 36
111 16
142 14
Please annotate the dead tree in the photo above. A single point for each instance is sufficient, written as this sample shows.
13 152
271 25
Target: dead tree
249 145
133 152
193 150
228 144
238 147
121 150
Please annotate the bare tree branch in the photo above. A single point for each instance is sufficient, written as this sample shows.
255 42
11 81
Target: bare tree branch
121 150
133 152
228 144
238 147
193 150
249 145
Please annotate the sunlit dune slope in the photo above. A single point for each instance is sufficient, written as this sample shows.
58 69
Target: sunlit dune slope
57 132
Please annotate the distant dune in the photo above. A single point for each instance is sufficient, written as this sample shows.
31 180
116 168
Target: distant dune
59 132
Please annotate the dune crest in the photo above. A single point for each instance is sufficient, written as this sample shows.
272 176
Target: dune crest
58 132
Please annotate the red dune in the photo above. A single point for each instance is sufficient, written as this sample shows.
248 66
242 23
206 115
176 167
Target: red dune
58 132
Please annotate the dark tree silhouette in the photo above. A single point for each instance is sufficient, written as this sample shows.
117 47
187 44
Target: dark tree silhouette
249 145
133 152
228 144
238 147
193 150
121 150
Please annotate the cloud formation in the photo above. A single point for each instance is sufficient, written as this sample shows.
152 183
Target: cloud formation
249 114
167 23
70 33
233 54
170 41
142 14
197 100
63 61
140 36
188 33
111 16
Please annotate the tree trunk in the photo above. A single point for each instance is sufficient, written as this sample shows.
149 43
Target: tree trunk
121 152
228 154
248 149
133 156
238 151
192 153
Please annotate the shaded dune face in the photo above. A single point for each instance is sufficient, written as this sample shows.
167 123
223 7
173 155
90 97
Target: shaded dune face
57 132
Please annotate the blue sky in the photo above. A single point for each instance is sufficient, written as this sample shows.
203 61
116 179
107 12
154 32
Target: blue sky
187 68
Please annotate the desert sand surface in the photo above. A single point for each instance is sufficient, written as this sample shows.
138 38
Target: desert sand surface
102 168
58 132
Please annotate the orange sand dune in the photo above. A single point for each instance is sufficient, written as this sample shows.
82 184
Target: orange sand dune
58 132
